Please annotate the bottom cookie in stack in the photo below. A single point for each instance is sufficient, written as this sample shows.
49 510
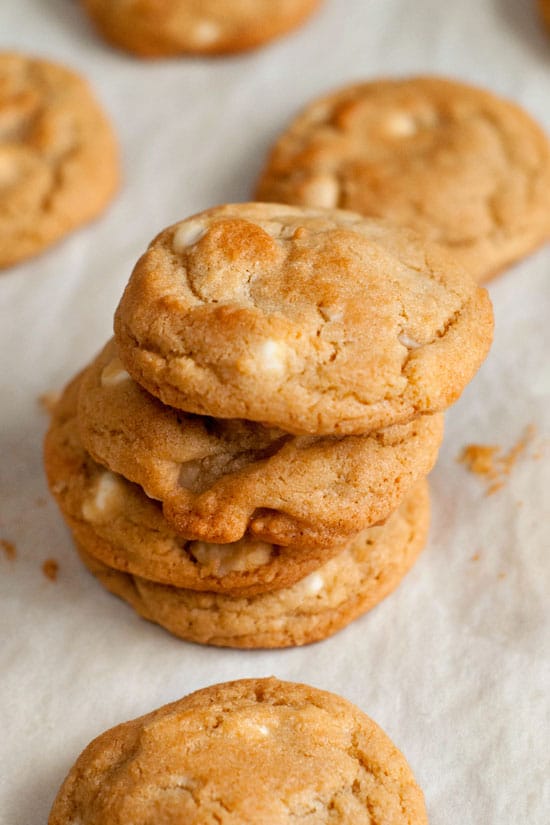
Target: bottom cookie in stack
247 594
325 601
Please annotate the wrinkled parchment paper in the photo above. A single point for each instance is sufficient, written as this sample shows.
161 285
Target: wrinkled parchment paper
455 666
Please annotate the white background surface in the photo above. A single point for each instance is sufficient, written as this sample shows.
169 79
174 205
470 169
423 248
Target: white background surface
456 665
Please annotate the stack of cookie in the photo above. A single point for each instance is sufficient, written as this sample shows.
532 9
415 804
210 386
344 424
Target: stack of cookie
244 463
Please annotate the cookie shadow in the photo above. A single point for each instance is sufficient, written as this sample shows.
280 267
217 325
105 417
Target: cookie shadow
70 16
525 21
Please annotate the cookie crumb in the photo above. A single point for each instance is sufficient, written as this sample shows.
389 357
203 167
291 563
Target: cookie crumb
40 501
502 576
475 557
48 400
50 568
491 463
9 548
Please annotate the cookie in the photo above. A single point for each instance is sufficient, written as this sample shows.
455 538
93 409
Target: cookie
220 479
58 155
123 528
163 28
313 321
456 163
251 752
317 606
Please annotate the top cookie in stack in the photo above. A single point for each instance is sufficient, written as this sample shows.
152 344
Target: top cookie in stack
272 395
314 321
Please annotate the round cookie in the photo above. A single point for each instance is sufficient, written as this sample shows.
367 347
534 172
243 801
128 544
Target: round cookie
162 28
58 155
123 528
251 752
347 586
220 479
456 163
314 321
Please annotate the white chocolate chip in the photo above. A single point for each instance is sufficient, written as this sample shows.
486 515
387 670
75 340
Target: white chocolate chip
271 357
205 32
220 559
322 190
187 234
105 498
313 583
180 780
189 474
245 727
271 360
401 124
408 342
114 373
273 228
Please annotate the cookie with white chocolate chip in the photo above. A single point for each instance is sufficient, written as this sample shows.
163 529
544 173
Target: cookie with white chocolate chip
465 168
123 528
255 751
163 28
58 155
351 583
221 479
313 321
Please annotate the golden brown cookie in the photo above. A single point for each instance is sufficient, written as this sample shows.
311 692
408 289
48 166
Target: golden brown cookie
348 585
220 479
162 28
58 155
456 163
126 530
251 752
312 321
123 528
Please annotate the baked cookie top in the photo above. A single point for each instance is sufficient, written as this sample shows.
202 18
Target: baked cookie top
131 534
255 751
456 163
219 479
544 6
313 608
314 321
160 28
58 155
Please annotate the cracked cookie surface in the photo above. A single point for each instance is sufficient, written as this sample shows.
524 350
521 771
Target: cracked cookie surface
58 155
313 321
456 163
123 528
220 479
254 751
161 28
348 585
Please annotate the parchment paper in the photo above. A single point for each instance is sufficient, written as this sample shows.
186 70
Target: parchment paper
455 666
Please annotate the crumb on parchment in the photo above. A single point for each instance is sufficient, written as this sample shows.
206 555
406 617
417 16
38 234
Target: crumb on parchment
50 568
48 400
9 548
491 462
